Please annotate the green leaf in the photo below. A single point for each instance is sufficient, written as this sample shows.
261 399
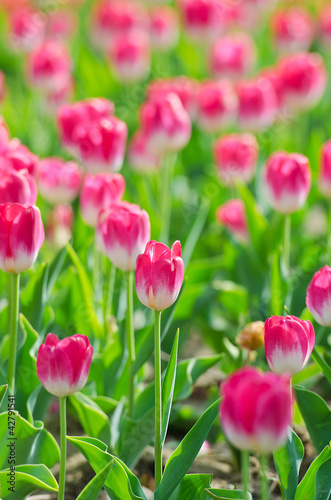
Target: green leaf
223 494
322 364
192 486
287 460
195 232
120 483
189 371
168 387
3 389
135 436
94 421
310 482
278 287
183 457
317 417
93 488
28 478
34 296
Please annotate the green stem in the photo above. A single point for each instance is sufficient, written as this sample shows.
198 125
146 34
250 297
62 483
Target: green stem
321 363
130 338
165 180
263 478
96 272
63 446
108 297
245 472
158 398
287 242
14 309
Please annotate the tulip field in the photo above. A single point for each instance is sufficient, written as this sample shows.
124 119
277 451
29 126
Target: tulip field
165 249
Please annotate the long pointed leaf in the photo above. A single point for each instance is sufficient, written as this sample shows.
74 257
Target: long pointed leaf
168 387
287 461
92 489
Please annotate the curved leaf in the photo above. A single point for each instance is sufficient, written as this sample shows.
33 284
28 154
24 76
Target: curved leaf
287 460
168 387
25 480
223 494
309 484
192 486
92 489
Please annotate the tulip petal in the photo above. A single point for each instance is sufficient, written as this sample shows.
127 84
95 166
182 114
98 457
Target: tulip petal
55 370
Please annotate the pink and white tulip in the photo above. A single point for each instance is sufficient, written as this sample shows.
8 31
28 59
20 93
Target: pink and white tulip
232 216
185 88
63 365
19 157
100 192
257 104
293 29
130 55
125 230
232 56
27 29
17 186
164 28
287 180
139 156
288 343
324 175
236 157
59 181
159 275
61 24
217 105
256 409
318 297
21 236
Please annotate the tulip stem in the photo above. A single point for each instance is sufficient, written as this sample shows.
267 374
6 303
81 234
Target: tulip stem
287 242
63 447
263 478
245 472
158 399
14 310
108 296
130 339
165 180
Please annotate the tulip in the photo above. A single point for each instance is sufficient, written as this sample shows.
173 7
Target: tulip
100 192
61 24
324 176
139 156
21 236
101 144
255 411
318 298
232 56
27 29
59 225
19 157
159 275
232 215
257 104
165 123
185 88
217 105
236 157
324 26
275 78
288 343
287 181
293 29
304 80
17 186
164 28
130 55
59 181
125 230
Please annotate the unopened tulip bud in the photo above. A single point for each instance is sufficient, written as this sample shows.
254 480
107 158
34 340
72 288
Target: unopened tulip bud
164 28
232 215
130 55
19 157
17 186
236 157
293 29
318 298
185 88
232 56
217 105
27 29
59 181
257 104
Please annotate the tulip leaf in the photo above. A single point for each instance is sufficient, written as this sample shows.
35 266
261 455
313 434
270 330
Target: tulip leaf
189 371
287 460
317 416
34 296
35 445
195 232
192 486
168 387
182 458
25 480
93 488
278 287
224 494
135 436
3 390
321 363
120 483
94 421
316 484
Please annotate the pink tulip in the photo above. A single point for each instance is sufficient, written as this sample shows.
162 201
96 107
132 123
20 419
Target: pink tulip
139 156
185 88
27 29
21 236
59 225
165 124
59 181
287 181
318 298
293 29
236 157
159 275
324 176
130 55
125 230
63 365
100 144
61 24
217 105
275 78
17 186
99 192
256 409
288 343
324 26
50 66
164 28
304 80
232 56
19 157
257 104
232 215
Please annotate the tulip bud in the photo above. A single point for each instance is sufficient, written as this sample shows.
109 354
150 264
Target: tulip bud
324 175
232 215
293 29
21 236
256 409
165 124
100 192
318 298
130 55
17 186
288 343
252 336
101 144
287 181
217 105
257 104
59 181
164 28
125 229
185 88
236 157
63 365
159 275
61 24
232 56
139 156
19 157
27 29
